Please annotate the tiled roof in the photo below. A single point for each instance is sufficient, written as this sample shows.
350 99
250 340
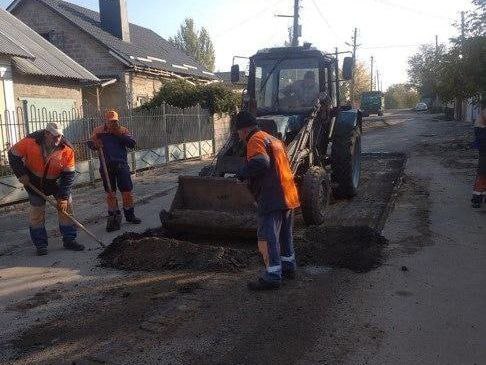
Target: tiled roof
35 55
145 49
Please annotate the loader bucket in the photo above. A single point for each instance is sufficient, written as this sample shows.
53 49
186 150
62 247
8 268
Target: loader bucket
212 206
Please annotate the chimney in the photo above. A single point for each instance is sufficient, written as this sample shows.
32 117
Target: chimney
114 18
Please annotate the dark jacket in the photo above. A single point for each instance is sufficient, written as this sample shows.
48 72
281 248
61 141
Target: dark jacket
114 146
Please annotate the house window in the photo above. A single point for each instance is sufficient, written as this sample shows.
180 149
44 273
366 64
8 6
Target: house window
56 38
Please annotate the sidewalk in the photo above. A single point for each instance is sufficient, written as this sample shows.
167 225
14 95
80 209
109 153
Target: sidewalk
23 275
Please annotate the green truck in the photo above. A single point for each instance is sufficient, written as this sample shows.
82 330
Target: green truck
372 102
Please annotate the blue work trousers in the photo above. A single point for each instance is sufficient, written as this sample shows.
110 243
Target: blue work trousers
276 229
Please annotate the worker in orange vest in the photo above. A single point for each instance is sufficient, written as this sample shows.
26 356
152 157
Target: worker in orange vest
45 159
271 181
114 139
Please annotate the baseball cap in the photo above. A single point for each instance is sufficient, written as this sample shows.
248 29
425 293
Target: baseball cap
111 115
54 128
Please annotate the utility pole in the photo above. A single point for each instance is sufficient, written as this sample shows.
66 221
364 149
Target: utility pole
371 89
296 33
463 29
355 45
378 80
296 29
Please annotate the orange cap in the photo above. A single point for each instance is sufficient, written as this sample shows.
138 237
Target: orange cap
111 115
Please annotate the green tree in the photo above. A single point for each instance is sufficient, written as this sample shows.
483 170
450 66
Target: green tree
462 71
216 97
196 43
423 68
476 20
401 96
362 83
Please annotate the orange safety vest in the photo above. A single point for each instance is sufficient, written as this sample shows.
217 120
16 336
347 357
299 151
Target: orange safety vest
264 145
50 167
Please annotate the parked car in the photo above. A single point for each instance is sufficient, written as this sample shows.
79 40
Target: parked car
421 107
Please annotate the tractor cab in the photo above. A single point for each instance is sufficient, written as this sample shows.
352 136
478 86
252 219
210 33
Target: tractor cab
284 84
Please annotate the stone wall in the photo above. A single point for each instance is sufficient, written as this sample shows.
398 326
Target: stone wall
222 124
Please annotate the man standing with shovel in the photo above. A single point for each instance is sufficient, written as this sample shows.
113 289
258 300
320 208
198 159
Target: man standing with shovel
44 163
111 140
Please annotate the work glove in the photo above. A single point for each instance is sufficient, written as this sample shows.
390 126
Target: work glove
62 205
117 131
24 180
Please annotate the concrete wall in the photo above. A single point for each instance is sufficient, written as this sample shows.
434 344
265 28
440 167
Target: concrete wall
222 124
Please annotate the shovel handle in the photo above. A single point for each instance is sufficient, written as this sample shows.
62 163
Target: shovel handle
72 218
101 156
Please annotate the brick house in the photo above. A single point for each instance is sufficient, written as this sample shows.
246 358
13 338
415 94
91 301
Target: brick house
132 61
34 75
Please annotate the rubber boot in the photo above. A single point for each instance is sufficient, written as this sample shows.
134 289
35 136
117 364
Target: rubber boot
114 221
476 201
130 216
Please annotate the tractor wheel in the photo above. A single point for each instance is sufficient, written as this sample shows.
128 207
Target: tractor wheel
346 163
315 193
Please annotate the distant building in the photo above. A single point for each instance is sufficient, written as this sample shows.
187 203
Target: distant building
34 75
132 61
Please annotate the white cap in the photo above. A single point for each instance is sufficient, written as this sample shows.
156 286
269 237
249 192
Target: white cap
54 128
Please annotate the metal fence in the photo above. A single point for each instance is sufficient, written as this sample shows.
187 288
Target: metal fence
163 135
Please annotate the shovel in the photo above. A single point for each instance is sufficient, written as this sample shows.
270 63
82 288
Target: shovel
72 218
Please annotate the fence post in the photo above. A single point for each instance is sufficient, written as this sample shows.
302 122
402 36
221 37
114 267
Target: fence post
25 116
166 135
214 133
199 129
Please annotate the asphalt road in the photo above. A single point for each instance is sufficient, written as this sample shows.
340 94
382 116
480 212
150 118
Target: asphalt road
425 305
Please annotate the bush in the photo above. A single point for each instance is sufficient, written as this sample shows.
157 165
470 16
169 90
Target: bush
215 97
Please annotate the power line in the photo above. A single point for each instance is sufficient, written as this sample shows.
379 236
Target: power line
325 20
254 16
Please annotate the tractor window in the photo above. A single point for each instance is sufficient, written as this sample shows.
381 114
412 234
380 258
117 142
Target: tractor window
286 85
263 93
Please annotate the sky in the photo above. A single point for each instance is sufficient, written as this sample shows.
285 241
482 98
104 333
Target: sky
388 30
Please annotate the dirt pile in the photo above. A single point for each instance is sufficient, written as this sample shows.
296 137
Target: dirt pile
358 248
152 251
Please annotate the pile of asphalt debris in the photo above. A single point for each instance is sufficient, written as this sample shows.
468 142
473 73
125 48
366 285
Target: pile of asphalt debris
153 250
359 249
